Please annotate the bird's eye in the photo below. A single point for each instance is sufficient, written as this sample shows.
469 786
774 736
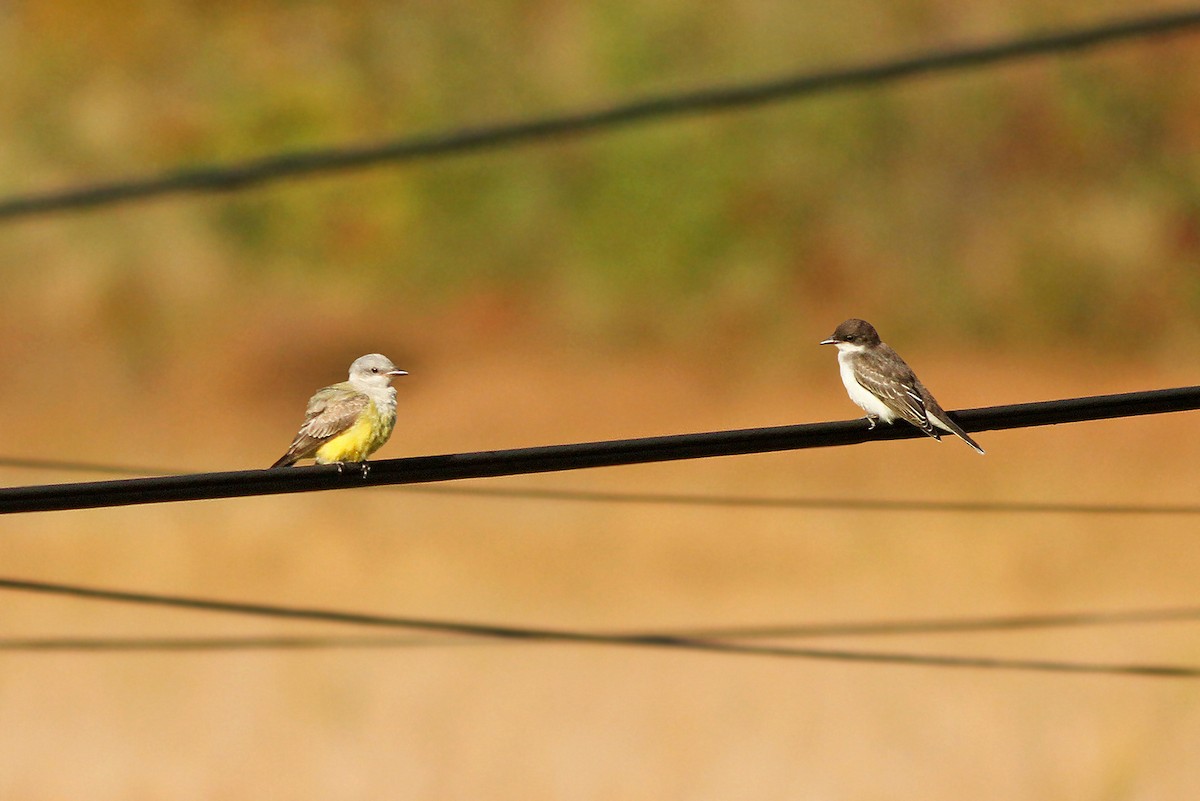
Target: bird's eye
374 369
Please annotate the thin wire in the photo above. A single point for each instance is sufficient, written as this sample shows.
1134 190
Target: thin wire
308 163
524 634
972 625
78 466
837 504
213 644
554 458
874 628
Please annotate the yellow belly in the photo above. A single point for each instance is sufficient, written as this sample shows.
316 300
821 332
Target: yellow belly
358 441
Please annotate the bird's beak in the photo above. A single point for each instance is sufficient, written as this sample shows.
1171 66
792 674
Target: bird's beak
828 342
397 372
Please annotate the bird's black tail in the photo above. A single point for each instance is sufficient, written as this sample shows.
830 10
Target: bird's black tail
945 422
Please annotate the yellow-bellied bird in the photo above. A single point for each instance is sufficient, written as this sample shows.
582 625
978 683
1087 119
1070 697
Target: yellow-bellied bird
347 422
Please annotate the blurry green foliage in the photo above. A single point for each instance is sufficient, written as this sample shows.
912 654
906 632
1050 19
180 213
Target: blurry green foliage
1004 203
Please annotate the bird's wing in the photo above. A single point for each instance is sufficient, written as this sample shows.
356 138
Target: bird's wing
330 412
891 380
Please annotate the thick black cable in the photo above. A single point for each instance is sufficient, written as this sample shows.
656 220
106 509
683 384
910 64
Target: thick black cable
874 628
713 99
530 634
689 499
675 499
553 458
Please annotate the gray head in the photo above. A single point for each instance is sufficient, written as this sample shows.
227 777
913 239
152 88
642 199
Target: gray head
854 334
374 370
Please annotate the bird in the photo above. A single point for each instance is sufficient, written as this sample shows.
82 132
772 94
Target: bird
347 422
883 384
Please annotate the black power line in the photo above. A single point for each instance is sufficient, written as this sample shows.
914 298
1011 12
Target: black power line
689 499
712 99
553 458
569 637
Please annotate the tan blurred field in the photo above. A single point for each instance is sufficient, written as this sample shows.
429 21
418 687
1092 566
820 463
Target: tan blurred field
1019 234
528 721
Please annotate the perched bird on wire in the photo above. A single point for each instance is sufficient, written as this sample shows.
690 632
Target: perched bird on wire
347 422
880 382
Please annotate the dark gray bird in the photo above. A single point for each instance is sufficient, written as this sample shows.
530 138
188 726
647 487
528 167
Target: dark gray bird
880 382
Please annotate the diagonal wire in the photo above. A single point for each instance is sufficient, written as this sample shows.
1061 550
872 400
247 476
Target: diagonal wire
538 634
684 499
255 172
873 628
765 502
80 466
212 644
959 625
577 456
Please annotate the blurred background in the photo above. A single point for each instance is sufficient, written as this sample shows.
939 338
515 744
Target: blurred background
1019 233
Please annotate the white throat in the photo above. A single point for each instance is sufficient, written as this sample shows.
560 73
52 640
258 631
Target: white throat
377 388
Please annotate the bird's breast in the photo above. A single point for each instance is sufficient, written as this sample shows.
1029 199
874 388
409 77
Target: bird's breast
356 443
864 398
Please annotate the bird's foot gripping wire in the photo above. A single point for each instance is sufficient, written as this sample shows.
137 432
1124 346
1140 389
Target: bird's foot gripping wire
364 466
873 420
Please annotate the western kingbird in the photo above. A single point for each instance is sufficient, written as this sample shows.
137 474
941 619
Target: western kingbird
347 422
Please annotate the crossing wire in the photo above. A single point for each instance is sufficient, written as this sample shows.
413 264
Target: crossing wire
260 171
571 637
872 628
553 458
